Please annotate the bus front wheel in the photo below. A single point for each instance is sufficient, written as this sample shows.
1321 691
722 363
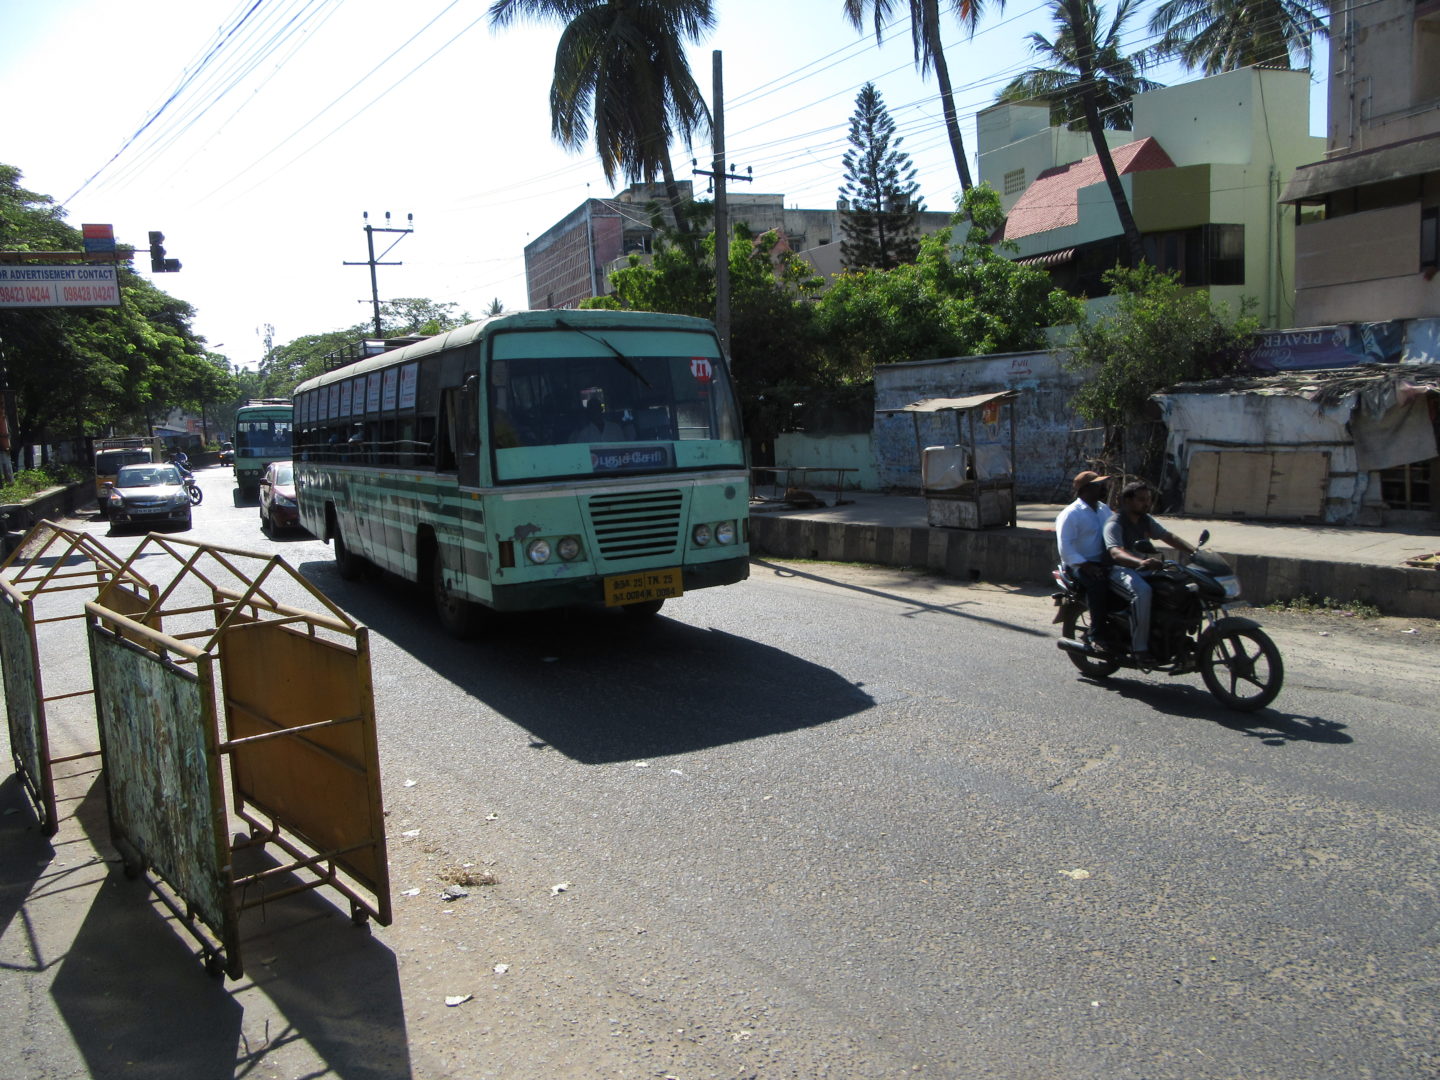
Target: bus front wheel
458 616
347 564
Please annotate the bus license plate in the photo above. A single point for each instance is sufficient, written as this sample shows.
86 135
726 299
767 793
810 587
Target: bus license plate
648 585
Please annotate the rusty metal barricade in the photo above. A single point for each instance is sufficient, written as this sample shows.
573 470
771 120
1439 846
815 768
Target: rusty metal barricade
294 691
49 559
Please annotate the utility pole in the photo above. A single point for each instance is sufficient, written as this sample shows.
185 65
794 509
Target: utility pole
719 175
372 262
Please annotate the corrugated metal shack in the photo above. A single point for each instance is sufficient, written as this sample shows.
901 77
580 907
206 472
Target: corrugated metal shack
1343 446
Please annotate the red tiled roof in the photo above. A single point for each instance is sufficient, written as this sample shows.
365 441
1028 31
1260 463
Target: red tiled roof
1052 202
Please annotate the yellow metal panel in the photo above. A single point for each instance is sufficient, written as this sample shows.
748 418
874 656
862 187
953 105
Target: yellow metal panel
321 784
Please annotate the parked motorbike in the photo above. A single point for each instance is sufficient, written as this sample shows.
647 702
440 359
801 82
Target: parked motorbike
1190 631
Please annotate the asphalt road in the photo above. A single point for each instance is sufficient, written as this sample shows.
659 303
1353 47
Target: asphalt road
832 822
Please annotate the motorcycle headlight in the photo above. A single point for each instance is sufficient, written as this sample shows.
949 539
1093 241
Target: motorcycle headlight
701 535
568 548
1231 585
725 532
538 551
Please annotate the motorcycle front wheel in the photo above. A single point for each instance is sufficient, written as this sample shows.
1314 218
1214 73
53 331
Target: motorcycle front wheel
196 495
1243 669
1076 627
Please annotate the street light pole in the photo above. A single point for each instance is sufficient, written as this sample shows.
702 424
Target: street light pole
370 231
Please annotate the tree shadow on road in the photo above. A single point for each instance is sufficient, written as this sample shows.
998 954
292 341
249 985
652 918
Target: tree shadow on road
916 606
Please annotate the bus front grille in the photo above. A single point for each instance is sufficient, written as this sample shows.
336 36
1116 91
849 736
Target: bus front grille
636 525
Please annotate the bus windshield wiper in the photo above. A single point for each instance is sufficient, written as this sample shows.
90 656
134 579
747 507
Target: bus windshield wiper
625 361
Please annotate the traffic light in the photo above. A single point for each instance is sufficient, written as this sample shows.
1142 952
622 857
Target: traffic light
159 264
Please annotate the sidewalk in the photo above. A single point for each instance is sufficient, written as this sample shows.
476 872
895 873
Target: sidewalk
1274 561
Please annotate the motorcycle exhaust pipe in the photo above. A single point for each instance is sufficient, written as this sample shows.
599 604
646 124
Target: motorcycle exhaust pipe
1073 646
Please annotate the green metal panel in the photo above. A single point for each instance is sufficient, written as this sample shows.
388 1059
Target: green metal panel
1168 199
162 778
28 740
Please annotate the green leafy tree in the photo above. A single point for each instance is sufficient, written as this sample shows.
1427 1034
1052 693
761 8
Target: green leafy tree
880 198
621 74
495 307
78 371
1212 36
772 318
286 366
1117 78
420 317
1087 72
929 53
1157 335
954 300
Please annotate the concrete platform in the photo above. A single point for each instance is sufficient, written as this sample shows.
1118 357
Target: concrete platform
1275 562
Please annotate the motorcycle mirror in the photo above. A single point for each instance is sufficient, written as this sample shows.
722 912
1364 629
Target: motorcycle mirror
1204 536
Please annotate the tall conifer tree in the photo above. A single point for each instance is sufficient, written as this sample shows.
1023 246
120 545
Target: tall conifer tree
880 198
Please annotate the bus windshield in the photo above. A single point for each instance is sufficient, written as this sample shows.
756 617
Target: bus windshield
262 435
607 413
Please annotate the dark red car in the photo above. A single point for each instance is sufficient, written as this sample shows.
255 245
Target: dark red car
278 509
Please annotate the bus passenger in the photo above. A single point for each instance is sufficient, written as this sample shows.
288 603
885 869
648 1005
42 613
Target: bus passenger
596 426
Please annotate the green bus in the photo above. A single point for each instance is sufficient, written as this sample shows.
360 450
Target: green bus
533 460
262 435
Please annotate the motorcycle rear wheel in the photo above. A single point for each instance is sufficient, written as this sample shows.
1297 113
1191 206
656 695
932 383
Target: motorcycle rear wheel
1243 669
1076 627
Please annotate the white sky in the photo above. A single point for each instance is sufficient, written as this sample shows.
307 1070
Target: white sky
318 110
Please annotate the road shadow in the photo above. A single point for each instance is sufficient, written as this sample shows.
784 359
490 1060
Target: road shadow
1273 727
915 606
600 686
25 855
137 1002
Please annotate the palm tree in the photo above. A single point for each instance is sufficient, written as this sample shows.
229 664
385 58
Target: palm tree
929 52
1222 35
1087 71
621 73
1117 76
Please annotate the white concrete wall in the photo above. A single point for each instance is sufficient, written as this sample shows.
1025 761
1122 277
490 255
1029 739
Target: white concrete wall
828 452
1383 65
1043 414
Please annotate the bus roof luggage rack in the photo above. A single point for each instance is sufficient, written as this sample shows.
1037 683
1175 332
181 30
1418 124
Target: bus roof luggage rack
358 350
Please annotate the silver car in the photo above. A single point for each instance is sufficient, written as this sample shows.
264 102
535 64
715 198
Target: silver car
146 495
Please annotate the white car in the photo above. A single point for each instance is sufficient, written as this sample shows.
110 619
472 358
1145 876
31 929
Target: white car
145 495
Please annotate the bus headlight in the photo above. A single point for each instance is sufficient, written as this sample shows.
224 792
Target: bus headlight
701 535
725 532
568 548
538 551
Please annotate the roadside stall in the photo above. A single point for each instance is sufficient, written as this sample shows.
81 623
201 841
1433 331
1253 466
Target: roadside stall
969 481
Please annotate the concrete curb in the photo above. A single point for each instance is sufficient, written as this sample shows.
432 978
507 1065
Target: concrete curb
1024 556
53 503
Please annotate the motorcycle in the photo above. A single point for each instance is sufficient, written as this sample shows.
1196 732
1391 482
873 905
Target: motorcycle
1190 630
191 487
